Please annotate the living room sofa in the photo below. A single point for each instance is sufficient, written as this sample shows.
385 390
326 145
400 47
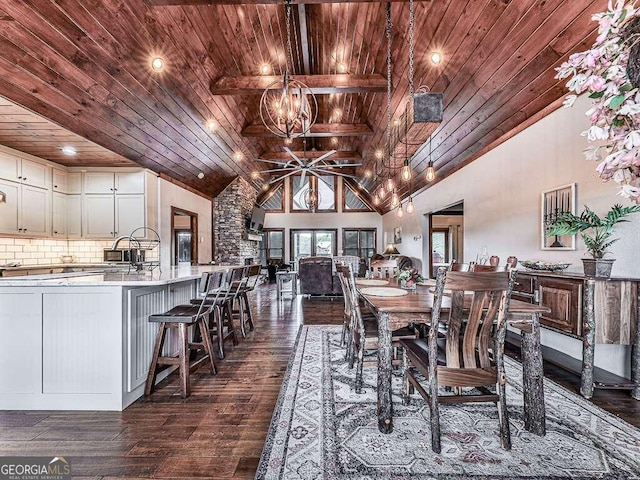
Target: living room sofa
317 277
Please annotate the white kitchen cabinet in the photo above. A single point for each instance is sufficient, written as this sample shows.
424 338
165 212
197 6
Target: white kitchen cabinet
59 209
9 209
110 182
34 211
129 213
23 171
129 183
74 216
59 181
108 216
98 216
25 211
74 182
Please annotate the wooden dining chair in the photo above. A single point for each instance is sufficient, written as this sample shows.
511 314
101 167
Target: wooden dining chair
459 267
384 268
473 354
476 267
343 272
364 331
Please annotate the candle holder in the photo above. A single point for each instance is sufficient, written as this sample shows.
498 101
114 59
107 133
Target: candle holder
554 203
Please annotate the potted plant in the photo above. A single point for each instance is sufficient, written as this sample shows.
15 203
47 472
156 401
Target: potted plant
408 277
596 234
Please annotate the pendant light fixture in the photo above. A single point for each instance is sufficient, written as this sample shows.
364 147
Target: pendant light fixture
431 172
390 184
410 207
287 107
400 212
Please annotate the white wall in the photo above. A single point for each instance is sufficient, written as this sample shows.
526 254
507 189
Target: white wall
501 193
170 195
337 220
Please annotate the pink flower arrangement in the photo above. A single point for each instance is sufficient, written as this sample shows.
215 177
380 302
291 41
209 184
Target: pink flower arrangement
615 114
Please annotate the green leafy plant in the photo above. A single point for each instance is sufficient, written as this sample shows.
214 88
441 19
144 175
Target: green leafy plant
596 231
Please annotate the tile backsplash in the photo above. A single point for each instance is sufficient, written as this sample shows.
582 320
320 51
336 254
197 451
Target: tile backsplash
35 251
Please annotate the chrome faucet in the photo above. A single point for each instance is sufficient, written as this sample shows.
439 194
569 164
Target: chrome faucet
118 240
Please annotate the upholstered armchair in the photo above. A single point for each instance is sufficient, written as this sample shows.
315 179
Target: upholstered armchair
317 277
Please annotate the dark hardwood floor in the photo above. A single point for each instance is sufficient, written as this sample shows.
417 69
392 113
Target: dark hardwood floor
219 431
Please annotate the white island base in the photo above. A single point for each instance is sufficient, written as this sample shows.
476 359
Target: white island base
83 342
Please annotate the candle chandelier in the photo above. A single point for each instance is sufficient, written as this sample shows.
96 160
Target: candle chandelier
287 107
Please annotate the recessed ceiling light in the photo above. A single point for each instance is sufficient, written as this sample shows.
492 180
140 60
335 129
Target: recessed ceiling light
69 151
157 63
212 125
201 175
436 58
265 68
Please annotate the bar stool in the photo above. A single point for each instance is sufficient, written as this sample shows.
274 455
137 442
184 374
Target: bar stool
252 275
181 318
220 298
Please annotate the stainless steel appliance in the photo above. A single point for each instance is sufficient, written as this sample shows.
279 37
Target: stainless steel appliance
123 255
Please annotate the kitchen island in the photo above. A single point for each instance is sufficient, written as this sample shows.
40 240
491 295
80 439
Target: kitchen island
82 341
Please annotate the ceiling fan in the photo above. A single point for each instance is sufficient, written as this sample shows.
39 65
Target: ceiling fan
316 167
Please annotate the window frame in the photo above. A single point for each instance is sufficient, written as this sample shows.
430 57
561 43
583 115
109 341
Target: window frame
359 230
313 180
265 242
313 231
346 186
271 194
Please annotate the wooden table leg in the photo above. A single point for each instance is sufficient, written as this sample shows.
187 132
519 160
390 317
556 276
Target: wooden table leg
589 341
533 380
385 405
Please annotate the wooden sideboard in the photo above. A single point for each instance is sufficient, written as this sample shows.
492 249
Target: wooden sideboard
593 311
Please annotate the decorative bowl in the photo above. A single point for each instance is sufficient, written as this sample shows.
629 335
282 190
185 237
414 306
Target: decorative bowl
546 266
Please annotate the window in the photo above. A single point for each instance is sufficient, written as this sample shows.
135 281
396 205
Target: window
275 201
352 201
360 242
272 246
325 185
312 243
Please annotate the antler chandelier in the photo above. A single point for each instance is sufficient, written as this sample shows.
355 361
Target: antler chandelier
287 107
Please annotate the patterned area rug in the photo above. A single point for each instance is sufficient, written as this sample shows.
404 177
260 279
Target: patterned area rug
322 429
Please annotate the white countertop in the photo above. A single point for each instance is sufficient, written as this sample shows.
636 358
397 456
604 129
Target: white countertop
115 278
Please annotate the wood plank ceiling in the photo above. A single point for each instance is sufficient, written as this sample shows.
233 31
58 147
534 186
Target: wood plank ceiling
85 65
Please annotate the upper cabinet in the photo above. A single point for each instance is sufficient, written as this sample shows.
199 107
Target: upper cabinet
117 183
59 181
115 204
23 171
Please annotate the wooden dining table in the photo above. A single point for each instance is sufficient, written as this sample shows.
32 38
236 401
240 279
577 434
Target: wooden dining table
395 312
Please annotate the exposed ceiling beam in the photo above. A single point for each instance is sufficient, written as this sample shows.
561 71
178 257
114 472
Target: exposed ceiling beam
304 38
318 84
339 155
165 3
317 130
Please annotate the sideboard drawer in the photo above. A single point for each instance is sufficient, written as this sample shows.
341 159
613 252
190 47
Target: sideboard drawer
564 298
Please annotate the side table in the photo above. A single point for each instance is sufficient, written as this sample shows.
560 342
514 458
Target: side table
283 278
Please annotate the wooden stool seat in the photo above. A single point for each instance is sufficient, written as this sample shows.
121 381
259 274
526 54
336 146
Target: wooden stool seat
181 318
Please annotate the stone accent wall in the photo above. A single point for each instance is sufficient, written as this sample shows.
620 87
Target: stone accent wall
231 209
